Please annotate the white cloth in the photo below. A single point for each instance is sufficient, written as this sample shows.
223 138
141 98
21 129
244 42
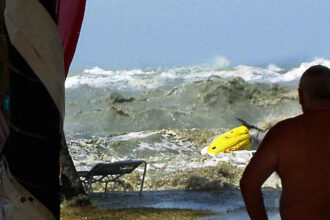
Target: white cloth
36 37
16 203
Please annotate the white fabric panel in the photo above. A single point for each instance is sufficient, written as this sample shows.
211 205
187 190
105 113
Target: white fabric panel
35 35
16 202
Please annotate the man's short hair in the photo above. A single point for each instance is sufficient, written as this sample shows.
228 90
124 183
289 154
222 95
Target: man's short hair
315 83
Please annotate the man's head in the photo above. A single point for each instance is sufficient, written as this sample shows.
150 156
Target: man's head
314 88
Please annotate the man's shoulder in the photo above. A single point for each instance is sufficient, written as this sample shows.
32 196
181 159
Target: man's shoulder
288 122
286 126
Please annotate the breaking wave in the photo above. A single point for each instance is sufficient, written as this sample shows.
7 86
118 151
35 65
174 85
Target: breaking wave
167 115
140 80
210 103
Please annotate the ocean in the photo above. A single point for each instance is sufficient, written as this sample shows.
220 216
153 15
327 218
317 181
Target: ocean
167 115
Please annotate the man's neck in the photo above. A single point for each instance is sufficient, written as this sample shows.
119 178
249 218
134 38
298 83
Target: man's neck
316 108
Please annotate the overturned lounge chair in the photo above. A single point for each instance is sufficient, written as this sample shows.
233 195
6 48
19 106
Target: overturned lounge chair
111 172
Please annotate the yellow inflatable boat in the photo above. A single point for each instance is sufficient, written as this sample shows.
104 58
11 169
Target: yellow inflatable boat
235 139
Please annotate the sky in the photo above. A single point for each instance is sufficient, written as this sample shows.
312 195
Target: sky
123 34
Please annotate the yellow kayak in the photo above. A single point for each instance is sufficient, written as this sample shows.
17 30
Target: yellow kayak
235 139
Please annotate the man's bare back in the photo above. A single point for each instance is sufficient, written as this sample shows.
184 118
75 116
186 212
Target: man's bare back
298 149
304 166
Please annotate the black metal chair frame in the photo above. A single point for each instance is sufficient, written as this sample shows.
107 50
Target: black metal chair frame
111 172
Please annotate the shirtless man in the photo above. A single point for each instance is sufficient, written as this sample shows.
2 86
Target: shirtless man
298 149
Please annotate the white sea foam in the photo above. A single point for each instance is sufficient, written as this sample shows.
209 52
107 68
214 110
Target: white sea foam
295 73
220 62
144 79
132 136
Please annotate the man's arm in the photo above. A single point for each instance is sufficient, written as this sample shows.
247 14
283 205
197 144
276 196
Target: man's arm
262 165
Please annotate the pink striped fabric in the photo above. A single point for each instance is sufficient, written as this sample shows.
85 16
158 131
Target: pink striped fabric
71 15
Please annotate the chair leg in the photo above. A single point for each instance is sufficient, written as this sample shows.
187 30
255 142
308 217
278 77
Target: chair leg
106 187
144 175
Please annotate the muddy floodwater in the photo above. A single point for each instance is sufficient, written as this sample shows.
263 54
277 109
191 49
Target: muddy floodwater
225 204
